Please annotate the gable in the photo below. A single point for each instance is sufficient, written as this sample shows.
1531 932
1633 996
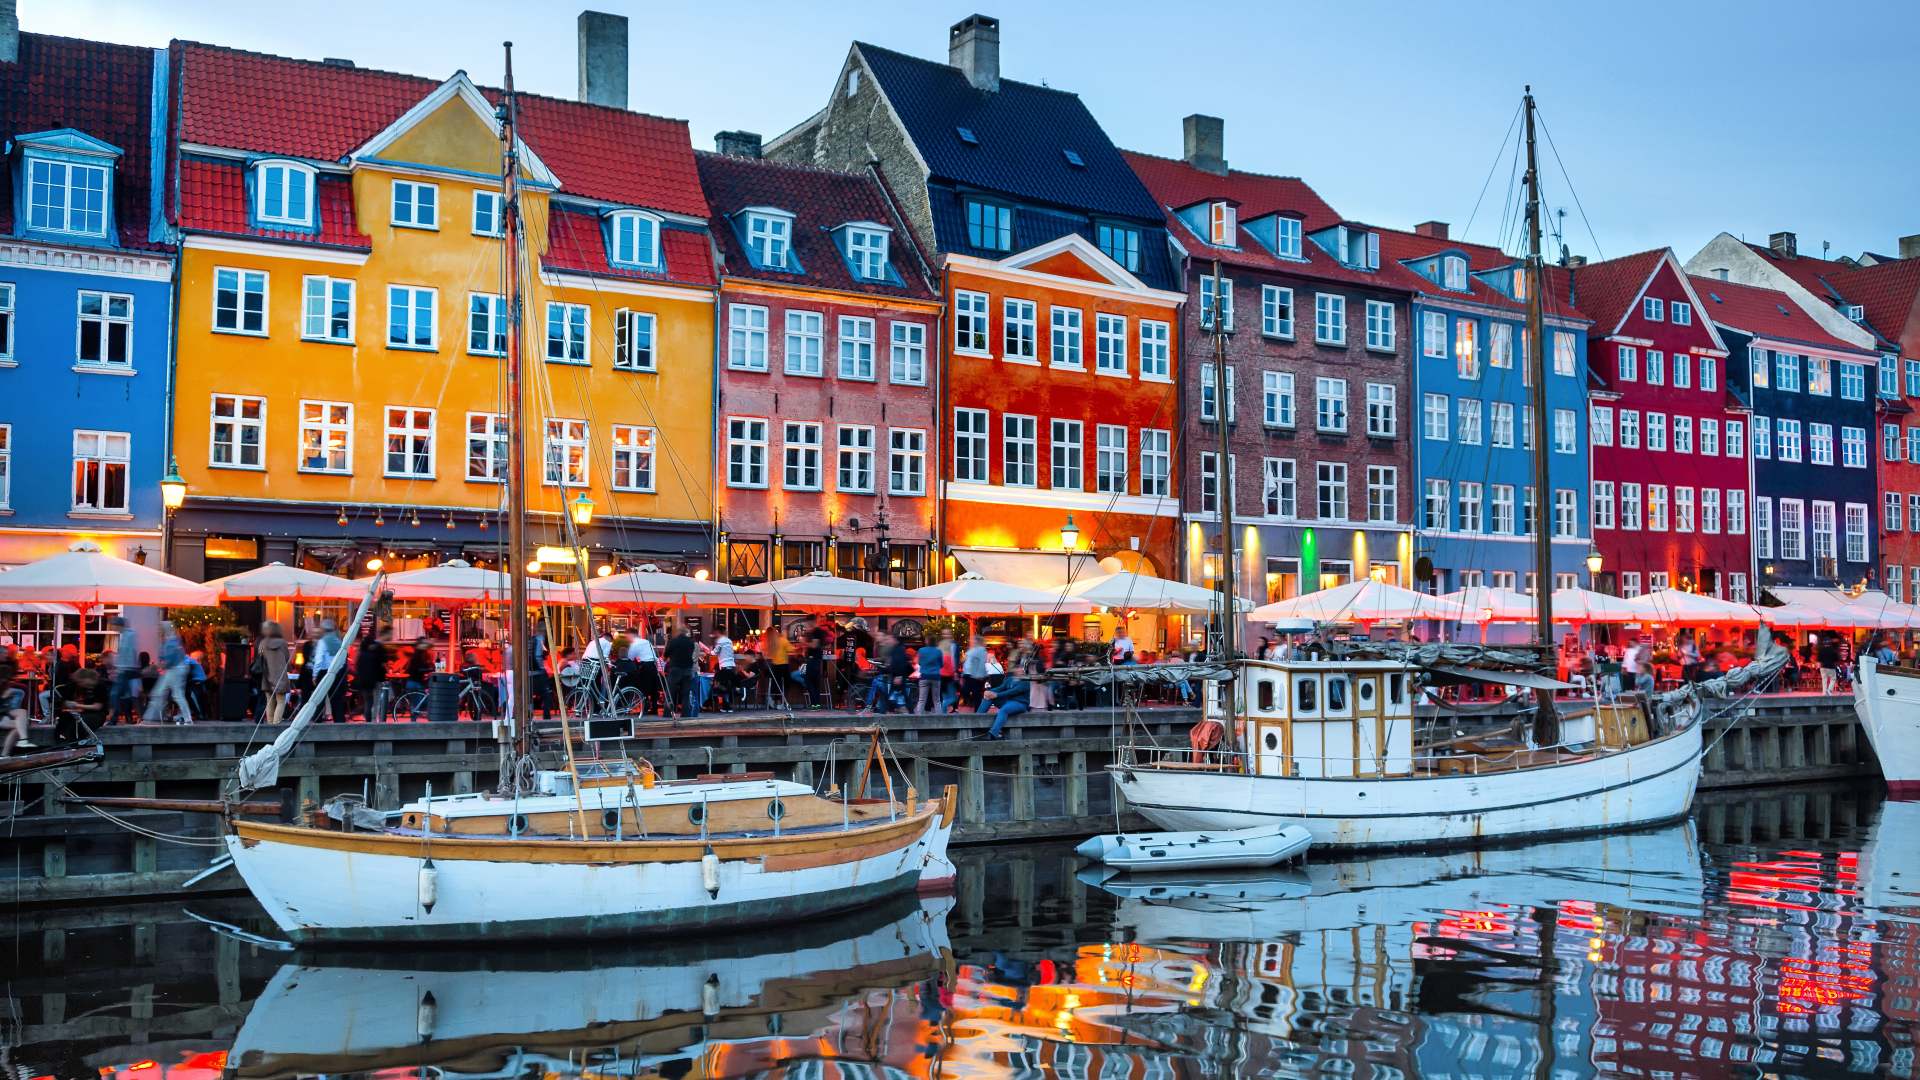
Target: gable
449 137
1069 264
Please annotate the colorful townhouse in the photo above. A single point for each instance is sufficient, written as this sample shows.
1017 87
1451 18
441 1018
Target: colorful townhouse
829 331
340 391
1874 302
1671 488
1315 343
1814 491
1061 353
1474 455
86 305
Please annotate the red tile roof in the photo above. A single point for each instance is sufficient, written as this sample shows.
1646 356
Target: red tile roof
1605 291
1804 269
1888 291
1402 247
820 200
103 90
213 199
576 243
1764 312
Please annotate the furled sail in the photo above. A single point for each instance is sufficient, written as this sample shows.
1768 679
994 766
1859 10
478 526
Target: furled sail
262 767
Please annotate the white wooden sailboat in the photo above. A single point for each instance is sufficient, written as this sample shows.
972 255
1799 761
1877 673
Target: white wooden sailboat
1267 844
1888 701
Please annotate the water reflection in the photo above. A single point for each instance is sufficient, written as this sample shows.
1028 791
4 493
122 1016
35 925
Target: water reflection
1777 934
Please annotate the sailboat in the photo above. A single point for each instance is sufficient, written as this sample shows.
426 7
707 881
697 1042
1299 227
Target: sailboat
1887 697
1330 742
599 848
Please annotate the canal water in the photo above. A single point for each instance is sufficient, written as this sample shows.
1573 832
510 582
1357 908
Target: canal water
1775 934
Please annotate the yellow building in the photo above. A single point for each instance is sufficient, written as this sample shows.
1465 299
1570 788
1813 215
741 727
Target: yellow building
339 392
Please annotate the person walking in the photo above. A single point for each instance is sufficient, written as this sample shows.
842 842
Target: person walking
896 667
778 652
819 646
930 661
1827 655
13 700
539 679
370 676
973 674
329 645
726 671
173 679
124 695
270 661
680 689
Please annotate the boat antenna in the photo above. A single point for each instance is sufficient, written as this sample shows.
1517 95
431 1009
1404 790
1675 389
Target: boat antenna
1546 723
1223 468
511 243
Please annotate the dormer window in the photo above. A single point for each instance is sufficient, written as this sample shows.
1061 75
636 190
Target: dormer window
1359 249
283 194
1286 233
989 226
1453 273
769 237
67 196
1121 244
1223 223
867 251
633 240
1855 312
1519 278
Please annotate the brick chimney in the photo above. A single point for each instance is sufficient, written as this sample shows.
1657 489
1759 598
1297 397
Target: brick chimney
1784 244
973 46
1435 229
744 144
1205 141
603 59
1910 246
9 32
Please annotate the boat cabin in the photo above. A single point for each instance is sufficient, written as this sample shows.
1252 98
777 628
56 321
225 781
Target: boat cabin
1327 718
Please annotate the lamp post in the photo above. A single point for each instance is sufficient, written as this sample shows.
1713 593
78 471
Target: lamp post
1594 562
173 495
582 510
1069 543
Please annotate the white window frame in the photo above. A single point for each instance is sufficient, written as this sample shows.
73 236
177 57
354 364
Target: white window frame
1383 411
415 205
1383 494
907 353
1602 500
1280 488
573 345
1329 403
1020 330
802 455
1019 450
1381 326
769 235
867 251
1066 455
1110 459
1273 300
1330 476
321 421
1066 338
1433 334
412 434
1156 364
484 197
229 428
6 466
1278 405
971 323
907 461
562 435
972 458
490 309
628 233
1156 462
856 455
634 454
803 344
1436 417
486 433
242 284
112 327
1110 344
407 298
1329 318
747 452
857 344
635 340
319 295
747 337
97 455
78 197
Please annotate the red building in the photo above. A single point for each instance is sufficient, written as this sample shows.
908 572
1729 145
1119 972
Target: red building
829 352
1671 485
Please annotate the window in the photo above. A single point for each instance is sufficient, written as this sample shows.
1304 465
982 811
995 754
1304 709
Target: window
327 310
566 453
486 448
1223 224
1470 507
1683 434
1436 511
1659 580
1501 505
1683 370
1276 311
1380 333
856 348
1894 512
1332 477
1466 348
416 205
1434 416
970 445
1680 314
632 458
633 239
1154 350
805 343
1628 365
1709 373
1018 449
1787 436
1383 494
1433 334
1736 511
1330 402
1890 442
1822 531
633 340
1889 376
1120 244
326 438
486 324
907 354
1566 513
1819 376
1630 507
100 471
1563 362
1792 529
1156 461
1603 504
1895 586
747 336
1758 366
1110 344
240 301
1110 459
1913 378
1209 482
1528 517
1566 426
1710 511
1453 273
1683 510
1286 233
6 321
6 465
989 226
1763 527
1913 512
801 456
1208 406
1276 399
1853 447
1018 330
238 432
1600 425
1736 443
410 317
1630 583
907 461
410 443
867 251
486 213
1216 291
970 322
566 333
1762 437
855 459
106 329
1856 522
769 237
1330 318
1709 437
1067 451
746 452
1657 507
1853 381
1656 367
1786 372
1500 345
66 197
1630 429
1471 410
1280 488
1651 309
1383 420
1913 445
1503 425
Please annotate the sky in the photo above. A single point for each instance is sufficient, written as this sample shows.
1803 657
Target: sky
1672 122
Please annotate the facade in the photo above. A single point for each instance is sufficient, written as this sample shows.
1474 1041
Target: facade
1474 455
829 331
1671 492
1315 358
340 392
1061 360
1814 493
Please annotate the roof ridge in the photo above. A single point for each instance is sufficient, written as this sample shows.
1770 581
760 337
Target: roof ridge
791 166
1619 259
1231 172
936 63
86 41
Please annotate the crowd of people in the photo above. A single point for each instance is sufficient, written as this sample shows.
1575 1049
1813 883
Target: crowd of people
75 694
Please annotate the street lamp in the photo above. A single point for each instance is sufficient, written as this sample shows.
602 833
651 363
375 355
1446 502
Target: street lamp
1594 562
1070 535
173 495
582 510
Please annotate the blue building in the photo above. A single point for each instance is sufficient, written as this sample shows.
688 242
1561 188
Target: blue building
1473 451
86 303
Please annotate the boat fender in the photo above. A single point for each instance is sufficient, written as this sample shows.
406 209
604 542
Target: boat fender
429 1013
710 996
710 873
429 886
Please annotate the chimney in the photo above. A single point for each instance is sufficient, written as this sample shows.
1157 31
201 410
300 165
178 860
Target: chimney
1435 229
1576 261
603 59
973 46
744 144
336 61
1784 244
1206 142
1910 246
9 32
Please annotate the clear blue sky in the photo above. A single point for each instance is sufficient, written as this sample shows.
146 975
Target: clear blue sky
1675 120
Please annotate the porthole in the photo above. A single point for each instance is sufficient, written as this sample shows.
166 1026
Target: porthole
776 810
610 820
1366 691
1273 741
697 813
516 824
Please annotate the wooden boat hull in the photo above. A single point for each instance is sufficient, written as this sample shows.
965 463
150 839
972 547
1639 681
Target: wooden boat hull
1649 783
17 765
325 886
1888 702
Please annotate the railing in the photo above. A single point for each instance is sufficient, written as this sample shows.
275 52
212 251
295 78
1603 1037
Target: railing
1241 761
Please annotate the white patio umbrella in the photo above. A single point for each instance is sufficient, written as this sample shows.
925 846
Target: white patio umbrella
1485 604
1794 615
1675 606
821 592
86 578
1365 601
1128 591
973 594
651 587
1587 606
278 581
458 583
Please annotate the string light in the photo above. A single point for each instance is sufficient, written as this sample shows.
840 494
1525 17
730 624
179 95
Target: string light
342 519
416 519
379 518
449 520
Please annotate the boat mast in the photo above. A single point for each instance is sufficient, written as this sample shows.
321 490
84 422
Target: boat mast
1546 723
511 242
1223 471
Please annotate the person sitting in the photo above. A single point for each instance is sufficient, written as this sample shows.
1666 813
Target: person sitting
83 702
1007 696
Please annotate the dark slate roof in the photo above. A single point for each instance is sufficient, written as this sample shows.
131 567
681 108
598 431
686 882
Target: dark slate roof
1032 227
1024 131
102 90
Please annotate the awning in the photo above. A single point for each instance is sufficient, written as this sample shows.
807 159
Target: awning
1029 569
1818 598
1506 678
